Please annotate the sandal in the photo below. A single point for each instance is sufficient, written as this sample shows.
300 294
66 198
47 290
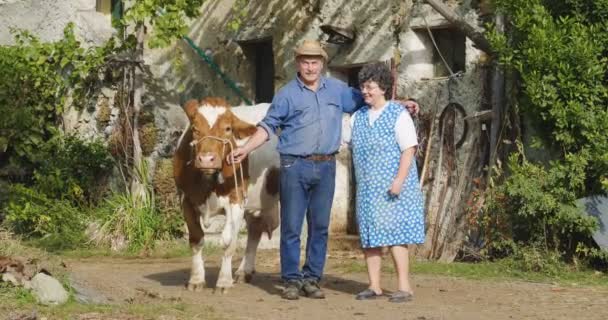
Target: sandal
367 294
400 296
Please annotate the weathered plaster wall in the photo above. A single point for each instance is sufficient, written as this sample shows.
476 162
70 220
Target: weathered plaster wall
416 71
48 18
287 23
384 30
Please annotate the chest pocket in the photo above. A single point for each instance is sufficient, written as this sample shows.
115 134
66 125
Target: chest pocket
334 111
304 114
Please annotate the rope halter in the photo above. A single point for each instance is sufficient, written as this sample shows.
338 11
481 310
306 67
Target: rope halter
240 199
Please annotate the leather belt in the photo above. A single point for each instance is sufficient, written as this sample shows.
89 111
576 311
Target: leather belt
320 157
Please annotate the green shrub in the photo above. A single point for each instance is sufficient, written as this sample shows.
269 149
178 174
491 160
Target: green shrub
533 205
559 50
72 169
172 223
36 81
532 258
33 214
50 209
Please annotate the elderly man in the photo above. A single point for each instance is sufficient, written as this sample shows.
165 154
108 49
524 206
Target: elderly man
308 111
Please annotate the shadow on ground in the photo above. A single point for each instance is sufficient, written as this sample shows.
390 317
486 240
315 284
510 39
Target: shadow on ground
269 282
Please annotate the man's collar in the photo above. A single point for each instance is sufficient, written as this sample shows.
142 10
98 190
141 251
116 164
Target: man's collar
322 82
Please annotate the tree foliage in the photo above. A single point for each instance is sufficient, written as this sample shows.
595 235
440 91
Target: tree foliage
168 18
559 50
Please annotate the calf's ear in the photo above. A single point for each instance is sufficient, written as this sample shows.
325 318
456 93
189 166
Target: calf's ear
242 129
191 109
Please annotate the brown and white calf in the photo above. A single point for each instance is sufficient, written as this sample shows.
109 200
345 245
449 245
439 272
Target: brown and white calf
206 182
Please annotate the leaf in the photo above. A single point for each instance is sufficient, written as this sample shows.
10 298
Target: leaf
3 144
64 62
41 60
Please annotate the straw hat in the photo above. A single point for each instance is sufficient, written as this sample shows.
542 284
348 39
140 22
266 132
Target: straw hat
310 48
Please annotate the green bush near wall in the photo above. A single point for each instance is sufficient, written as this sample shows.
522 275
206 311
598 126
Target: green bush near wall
559 50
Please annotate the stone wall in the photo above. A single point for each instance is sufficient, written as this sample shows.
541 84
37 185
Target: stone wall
48 18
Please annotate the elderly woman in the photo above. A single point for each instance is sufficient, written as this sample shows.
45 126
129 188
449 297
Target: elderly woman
389 200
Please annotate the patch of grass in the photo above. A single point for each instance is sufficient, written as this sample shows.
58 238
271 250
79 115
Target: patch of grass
499 270
505 270
19 296
15 301
162 250
351 266
11 247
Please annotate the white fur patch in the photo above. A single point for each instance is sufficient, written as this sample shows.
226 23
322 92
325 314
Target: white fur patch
211 113
197 274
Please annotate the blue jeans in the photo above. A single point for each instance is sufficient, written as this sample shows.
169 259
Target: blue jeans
307 188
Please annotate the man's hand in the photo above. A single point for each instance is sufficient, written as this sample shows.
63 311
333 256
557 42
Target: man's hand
411 105
240 153
237 155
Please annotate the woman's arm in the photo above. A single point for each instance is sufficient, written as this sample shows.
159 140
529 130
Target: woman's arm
404 167
405 133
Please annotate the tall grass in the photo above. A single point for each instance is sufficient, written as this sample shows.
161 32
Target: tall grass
128 220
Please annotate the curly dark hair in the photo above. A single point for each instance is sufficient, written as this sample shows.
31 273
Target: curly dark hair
379 73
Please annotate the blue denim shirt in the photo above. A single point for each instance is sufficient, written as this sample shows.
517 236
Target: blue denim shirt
310 122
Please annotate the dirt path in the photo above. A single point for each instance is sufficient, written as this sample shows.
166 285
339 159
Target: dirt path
436 297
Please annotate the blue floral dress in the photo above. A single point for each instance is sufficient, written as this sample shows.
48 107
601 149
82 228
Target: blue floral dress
384 220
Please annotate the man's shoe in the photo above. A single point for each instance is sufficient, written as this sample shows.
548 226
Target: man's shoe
312 290
292 290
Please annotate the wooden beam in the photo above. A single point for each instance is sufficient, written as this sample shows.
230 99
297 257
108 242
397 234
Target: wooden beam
477 37
498 101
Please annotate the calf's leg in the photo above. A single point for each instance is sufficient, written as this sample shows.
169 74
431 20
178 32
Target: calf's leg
254 233
234 217
195 237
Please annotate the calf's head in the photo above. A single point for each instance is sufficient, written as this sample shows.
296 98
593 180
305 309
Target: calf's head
214 129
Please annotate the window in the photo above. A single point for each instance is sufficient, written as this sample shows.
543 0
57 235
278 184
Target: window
451 44
104 6
348 74
109 7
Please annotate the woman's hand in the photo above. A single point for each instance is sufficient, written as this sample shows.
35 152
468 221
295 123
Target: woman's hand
395 189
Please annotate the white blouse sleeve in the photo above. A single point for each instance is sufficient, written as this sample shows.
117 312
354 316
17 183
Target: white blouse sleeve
347 132
405 131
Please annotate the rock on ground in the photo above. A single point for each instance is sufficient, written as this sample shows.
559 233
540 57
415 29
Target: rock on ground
48 290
